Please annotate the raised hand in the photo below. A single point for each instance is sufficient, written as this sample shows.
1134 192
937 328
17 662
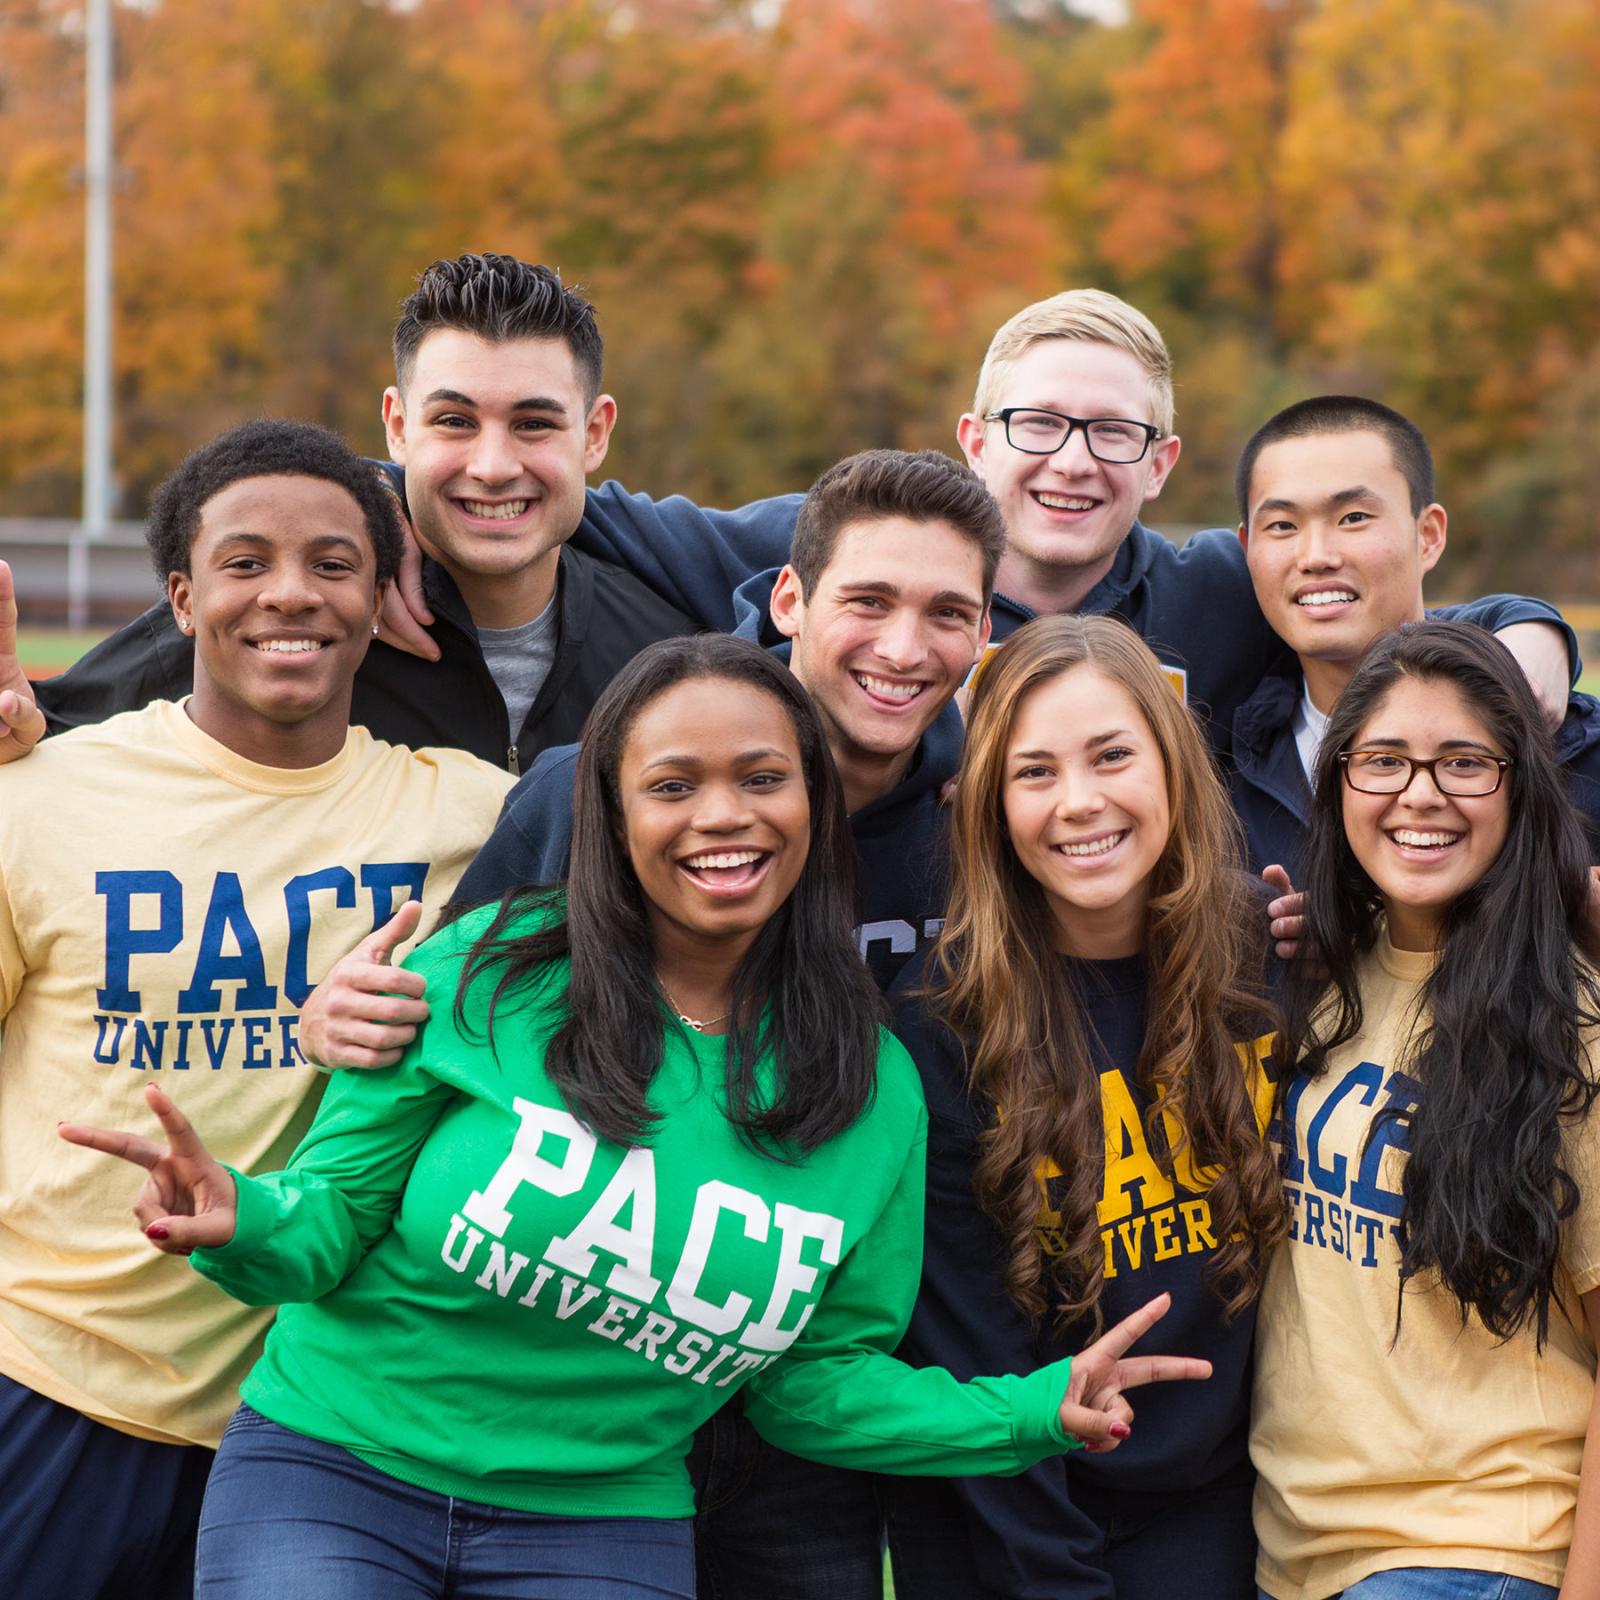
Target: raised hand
1094 1409
188 1201
21 722
365 1012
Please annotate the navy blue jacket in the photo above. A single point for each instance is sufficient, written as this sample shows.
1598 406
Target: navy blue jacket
900 842
1268 784
1192 604
1038 1536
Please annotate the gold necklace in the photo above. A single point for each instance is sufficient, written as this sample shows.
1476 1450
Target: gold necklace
683 1017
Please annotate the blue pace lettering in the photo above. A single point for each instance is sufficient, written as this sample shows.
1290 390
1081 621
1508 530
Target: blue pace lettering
297 893
124 941
1404 1094
1330 1178
226 915
384 878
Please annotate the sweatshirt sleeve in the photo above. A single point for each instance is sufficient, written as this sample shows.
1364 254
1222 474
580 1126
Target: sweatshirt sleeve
147 660
839 1397
1497 611
692 557
532 841
302 1231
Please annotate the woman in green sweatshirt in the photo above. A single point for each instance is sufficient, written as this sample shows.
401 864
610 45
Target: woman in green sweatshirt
658 1150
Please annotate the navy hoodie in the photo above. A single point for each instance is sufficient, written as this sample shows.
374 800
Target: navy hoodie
1039 1534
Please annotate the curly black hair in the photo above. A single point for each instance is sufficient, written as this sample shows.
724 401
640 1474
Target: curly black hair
267 449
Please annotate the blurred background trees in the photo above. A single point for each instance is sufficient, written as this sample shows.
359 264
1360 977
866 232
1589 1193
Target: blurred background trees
801 220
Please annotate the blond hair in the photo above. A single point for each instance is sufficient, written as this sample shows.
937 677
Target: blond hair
1094 317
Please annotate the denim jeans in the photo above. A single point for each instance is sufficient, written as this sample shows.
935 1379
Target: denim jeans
292 1518
1441 1583
772 1526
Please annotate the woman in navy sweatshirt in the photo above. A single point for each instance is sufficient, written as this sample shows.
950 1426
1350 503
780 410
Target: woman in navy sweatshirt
1090 1030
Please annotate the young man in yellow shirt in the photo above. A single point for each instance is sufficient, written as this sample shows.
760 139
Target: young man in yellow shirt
172 884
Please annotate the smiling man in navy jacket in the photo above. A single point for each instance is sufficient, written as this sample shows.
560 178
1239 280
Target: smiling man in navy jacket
1340 525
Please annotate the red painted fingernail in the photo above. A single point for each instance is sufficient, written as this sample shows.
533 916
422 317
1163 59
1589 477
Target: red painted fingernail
155 1231
1120 1430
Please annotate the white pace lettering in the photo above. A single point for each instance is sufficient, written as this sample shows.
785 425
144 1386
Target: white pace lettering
683 1296
488 1208
795 1275
631 1189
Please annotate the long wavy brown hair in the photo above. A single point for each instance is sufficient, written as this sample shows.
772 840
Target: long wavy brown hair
997 980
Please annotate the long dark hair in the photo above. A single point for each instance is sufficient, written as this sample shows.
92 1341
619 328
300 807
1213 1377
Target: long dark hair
1497 1051
995 979
801 993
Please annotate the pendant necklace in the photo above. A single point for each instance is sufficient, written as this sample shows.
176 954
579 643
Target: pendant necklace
688 1021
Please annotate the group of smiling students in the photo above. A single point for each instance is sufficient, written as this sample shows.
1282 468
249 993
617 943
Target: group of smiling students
659 1144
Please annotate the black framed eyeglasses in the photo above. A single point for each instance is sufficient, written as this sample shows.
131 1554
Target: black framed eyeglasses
1041 433
1384 772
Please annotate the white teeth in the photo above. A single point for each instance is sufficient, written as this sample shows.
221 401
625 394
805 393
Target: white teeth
885 689
1063 502
288 647
1411 837
1325 597
726 858
1094 847
504 511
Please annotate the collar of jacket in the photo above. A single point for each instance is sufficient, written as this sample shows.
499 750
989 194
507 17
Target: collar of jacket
1128 569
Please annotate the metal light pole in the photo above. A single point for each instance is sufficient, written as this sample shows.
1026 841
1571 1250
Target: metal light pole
96 309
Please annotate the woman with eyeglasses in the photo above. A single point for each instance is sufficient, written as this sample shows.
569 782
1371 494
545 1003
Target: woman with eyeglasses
1426 1424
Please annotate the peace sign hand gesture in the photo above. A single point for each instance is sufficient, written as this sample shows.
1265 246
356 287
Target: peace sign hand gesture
1094 1410
188 1201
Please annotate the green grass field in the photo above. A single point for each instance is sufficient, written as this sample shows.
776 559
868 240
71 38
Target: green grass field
48 650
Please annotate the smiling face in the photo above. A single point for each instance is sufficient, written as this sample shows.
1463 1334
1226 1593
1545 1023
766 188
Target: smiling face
716 817
281 596
893 625
1336 554
1066 514
496 440
1422 848
1085 803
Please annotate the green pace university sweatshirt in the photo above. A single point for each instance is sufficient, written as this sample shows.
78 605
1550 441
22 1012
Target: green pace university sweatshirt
482 1298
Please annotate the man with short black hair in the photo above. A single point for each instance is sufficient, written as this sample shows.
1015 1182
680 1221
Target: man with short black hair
1340 524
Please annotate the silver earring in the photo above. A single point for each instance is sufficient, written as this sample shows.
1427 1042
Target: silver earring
374 630
183 627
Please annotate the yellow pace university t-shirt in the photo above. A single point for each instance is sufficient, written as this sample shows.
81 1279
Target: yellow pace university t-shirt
1441 1449
165 908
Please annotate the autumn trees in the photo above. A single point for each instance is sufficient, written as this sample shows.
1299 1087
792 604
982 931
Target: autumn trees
802 219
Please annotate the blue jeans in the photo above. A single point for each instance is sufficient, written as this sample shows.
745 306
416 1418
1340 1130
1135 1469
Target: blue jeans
772 1526
1441 1583
292 1518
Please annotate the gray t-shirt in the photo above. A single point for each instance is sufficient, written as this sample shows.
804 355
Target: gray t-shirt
519 661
